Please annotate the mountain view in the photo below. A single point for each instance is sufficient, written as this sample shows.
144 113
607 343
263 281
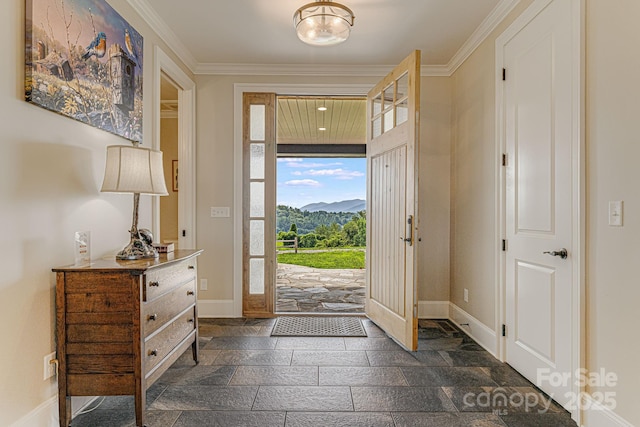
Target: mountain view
355 205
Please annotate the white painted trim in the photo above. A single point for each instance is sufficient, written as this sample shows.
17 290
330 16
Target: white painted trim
478 331
46 414
186 145
238 90
433 309
497 15
211 308
157 24
597 415
578 310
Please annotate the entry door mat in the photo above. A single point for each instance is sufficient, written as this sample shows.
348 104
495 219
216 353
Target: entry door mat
315 326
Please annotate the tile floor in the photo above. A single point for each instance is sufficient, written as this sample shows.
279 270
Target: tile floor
247 378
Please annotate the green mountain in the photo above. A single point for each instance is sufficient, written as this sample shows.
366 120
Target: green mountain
307 221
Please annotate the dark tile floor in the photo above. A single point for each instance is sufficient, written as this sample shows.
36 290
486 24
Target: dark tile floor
247 378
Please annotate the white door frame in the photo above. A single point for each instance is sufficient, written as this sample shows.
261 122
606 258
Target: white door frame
186 146
578 349
279 89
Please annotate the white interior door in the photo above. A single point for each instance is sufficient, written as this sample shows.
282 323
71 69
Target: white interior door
540 118
392 144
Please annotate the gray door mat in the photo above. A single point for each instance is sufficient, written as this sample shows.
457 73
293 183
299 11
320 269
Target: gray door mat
315 326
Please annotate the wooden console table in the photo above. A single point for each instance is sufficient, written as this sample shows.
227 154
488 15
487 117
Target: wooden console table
121 324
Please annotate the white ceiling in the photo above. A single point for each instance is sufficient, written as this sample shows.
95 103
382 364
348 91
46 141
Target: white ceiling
218 35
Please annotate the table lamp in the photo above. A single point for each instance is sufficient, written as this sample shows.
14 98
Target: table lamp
137 170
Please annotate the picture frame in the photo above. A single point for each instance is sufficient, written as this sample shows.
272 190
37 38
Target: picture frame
85 61
174 174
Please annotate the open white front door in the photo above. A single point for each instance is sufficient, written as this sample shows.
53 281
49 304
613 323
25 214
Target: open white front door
393 111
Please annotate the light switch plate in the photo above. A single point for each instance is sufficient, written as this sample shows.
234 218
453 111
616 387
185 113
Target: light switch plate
220 212
615 213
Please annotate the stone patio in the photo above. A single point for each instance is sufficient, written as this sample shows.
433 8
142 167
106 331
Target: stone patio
313 290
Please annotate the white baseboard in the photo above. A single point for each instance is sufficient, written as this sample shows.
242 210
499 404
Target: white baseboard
46 414
597 415
212 308
433 309
481 333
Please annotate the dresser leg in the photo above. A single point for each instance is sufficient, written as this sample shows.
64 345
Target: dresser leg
196 351
140 400
64 410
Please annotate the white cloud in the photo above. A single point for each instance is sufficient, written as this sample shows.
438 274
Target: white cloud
303 183
289 160
311 165
296 173
336 173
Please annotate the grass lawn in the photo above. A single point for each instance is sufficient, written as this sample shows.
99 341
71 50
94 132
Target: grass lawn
331 259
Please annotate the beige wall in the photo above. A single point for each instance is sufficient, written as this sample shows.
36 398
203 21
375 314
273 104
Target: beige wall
612 69
169 204
613 150
215 175
51 171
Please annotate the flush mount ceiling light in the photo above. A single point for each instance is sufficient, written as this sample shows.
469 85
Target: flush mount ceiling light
323 23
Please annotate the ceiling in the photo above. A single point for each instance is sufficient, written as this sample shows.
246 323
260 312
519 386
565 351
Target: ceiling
229 36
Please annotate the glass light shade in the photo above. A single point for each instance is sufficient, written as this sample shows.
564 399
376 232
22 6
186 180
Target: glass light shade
131 169
323 23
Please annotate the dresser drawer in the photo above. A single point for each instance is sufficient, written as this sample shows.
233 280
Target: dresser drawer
160 344
160 281
159 311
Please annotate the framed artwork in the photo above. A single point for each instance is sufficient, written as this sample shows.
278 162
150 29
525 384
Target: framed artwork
84 61
174 174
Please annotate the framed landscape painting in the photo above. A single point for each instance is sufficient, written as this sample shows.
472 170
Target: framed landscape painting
83 60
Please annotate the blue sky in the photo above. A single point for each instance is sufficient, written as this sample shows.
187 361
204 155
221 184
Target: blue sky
310 180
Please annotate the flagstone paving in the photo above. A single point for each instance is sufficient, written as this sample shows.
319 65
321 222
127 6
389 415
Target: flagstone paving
315 290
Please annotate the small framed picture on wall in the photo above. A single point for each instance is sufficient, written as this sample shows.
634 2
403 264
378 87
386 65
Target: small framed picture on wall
174 174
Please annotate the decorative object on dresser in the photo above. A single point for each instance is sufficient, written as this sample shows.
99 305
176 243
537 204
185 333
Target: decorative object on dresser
137 170
121 324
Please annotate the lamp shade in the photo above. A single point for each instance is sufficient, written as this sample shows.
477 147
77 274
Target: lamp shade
323 23
131 169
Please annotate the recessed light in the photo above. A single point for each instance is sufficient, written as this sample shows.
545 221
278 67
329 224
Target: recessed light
322 108
322 128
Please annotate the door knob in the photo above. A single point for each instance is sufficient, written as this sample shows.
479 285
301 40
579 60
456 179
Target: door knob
562 253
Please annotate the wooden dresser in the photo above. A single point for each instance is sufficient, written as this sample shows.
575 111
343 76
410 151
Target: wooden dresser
121 324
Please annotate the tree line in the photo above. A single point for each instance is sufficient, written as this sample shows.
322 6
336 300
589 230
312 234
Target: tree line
321 229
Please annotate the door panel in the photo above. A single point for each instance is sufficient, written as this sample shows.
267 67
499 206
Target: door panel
539 195
392 144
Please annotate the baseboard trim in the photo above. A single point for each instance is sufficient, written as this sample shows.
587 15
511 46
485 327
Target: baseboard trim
433 309
481 333
597 415
212 308
45 414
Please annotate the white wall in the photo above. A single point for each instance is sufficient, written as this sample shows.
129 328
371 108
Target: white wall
51 171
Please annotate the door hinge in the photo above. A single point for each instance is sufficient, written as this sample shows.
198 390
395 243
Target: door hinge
504 160
184 233
504 245
504 330
504 74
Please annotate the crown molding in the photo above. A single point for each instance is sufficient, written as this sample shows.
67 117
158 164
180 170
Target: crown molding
497 15
502 9
157 24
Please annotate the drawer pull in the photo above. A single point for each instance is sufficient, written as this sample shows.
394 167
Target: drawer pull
153 352
191 267
152 317
154 284
190 321
190 293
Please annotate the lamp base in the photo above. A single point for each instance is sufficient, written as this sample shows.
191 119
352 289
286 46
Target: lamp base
137 249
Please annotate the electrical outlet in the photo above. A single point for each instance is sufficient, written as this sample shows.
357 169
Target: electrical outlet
49 367
466 295
204 285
